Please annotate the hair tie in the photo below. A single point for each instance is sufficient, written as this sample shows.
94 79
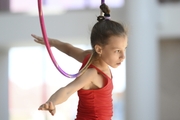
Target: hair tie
107 16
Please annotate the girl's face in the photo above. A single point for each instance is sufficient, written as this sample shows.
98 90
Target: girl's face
114 52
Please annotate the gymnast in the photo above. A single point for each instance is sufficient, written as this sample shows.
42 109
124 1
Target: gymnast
94 80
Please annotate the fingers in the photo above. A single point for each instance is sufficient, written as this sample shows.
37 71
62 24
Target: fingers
35 36
42 107
47 106
52 108
32 35
38 39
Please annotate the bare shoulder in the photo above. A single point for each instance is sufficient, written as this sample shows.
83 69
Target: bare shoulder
81 81
87 76
89 73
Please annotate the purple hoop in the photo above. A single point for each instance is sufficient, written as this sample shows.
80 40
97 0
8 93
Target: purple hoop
43 29
102 1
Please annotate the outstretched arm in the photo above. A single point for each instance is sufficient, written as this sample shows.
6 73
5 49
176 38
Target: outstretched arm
66 48
64 93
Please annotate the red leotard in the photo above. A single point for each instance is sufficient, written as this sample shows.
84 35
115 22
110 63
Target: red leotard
95 104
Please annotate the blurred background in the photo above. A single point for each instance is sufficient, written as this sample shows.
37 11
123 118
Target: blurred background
146 85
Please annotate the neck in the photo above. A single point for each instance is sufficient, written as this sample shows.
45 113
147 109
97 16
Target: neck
100 64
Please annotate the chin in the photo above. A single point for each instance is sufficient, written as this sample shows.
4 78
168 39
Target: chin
114 66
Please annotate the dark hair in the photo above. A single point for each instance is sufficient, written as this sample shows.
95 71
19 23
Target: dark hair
105 28
102 31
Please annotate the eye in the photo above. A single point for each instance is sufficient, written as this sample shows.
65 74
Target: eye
117 51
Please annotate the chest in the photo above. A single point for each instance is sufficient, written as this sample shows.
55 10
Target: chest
99 81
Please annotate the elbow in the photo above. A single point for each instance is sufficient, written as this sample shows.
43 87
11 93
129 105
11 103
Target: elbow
68 92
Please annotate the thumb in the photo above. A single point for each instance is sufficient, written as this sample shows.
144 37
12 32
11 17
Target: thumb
53 112
52 108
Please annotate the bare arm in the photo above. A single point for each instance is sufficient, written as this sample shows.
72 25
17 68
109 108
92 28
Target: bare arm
70 50
66 48
64 93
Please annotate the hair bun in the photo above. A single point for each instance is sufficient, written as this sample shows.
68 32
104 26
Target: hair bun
105 9
100 18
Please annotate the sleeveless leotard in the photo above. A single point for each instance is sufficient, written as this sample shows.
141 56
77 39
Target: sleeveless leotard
95 104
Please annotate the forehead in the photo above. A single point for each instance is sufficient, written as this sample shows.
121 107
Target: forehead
117 42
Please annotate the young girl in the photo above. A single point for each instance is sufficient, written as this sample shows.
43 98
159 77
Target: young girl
94 85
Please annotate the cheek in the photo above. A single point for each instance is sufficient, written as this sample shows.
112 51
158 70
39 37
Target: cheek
110 57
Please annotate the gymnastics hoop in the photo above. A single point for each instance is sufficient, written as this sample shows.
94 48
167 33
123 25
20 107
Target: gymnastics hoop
46 41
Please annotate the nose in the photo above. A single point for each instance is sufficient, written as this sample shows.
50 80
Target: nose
122 55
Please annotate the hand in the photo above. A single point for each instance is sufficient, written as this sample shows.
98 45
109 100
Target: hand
38 39
49 106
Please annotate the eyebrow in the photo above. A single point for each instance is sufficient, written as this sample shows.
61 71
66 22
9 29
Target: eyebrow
117 48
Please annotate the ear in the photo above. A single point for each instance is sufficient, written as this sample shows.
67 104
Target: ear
98 49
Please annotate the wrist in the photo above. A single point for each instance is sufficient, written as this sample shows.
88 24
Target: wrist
52 42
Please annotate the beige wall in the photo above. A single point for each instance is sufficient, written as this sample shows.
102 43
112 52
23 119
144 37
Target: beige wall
169 79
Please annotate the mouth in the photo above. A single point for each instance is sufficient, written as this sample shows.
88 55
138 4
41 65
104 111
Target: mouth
118 63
